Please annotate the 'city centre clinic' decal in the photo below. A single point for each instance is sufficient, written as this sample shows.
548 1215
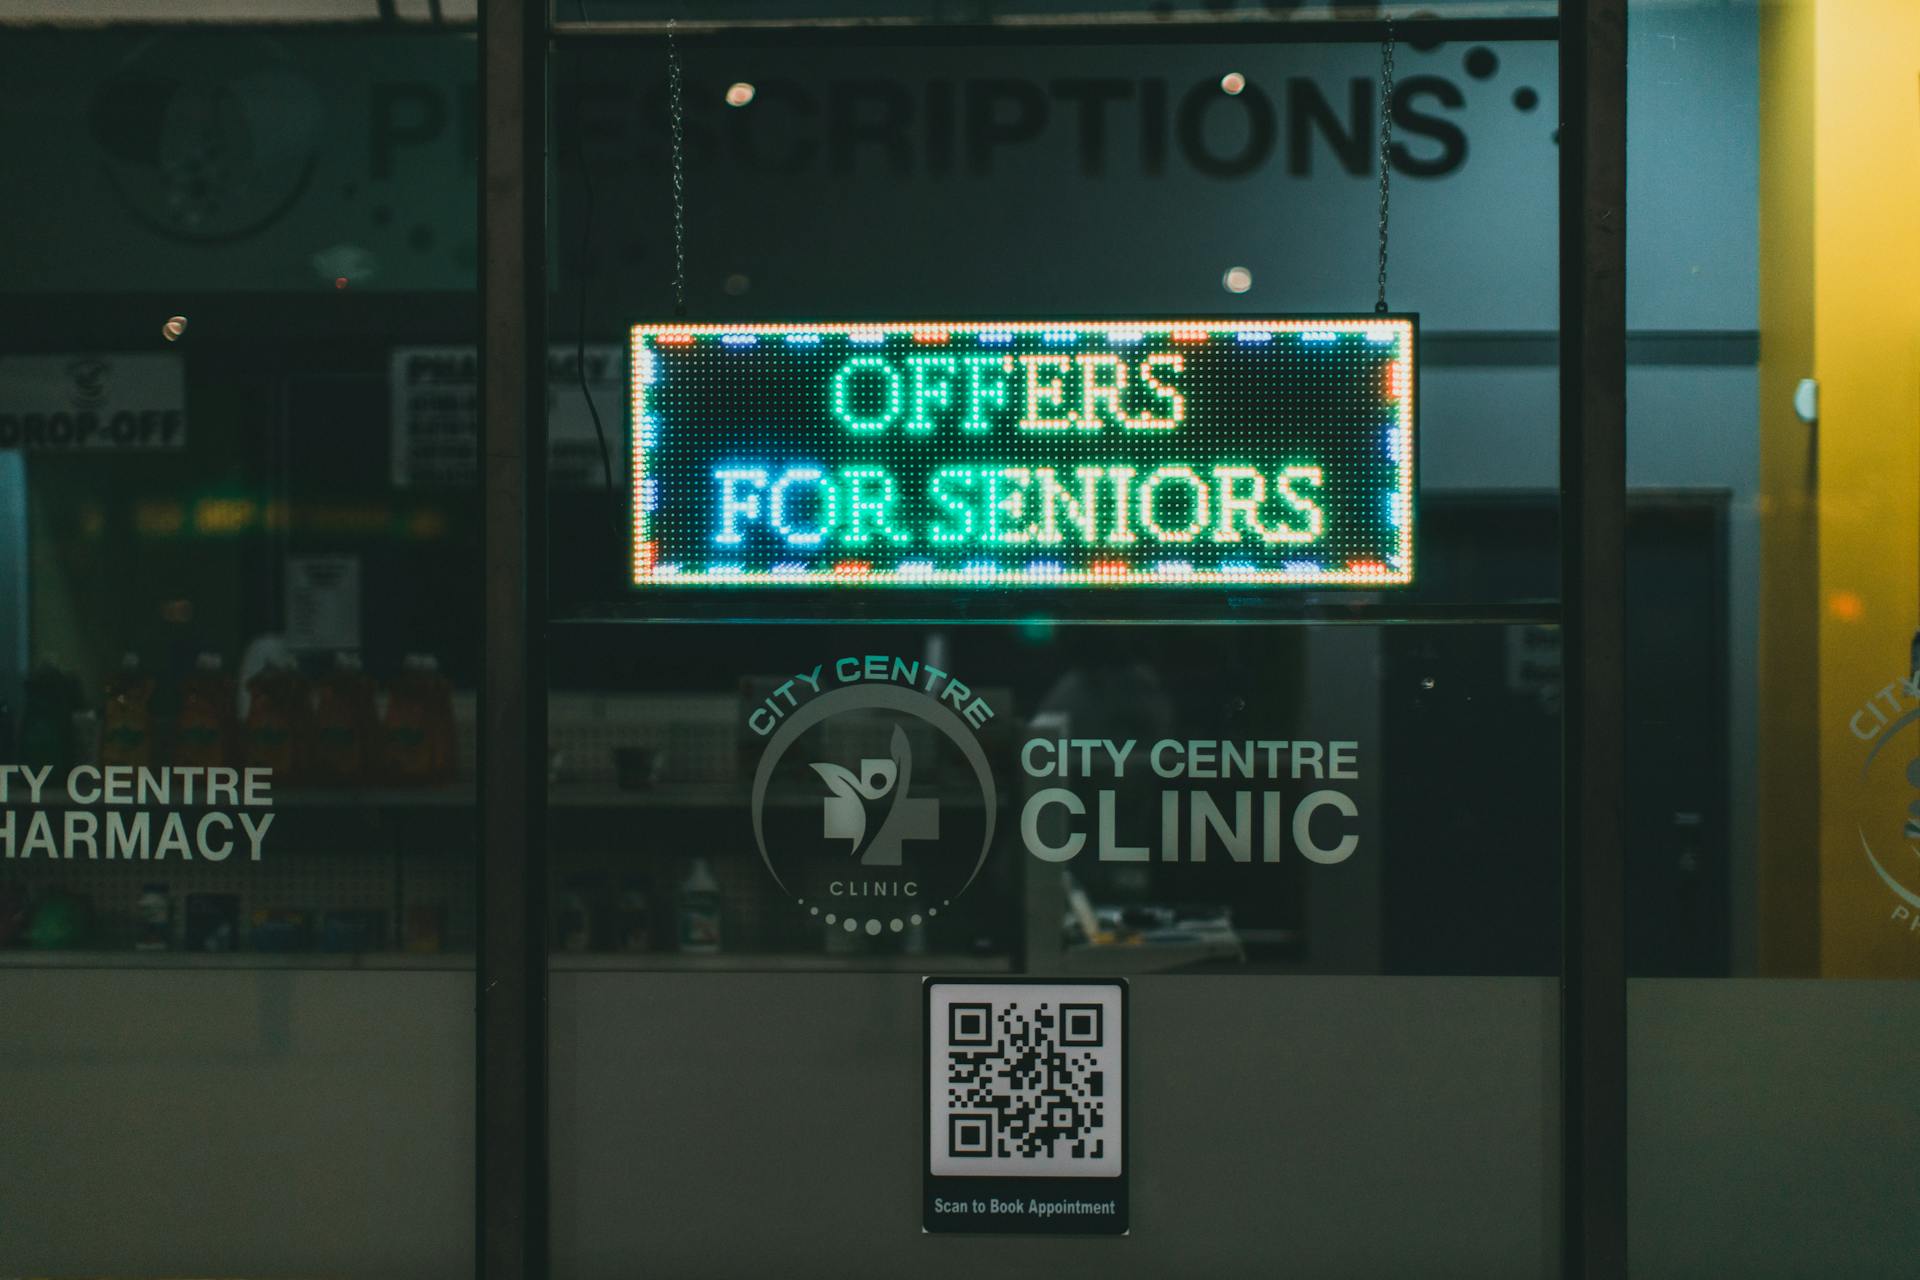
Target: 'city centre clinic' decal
876 792
873 802
1057 453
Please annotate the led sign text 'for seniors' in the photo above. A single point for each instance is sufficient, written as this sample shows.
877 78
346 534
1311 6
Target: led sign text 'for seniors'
1110 453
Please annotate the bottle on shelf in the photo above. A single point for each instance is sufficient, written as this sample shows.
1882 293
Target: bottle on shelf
580 928
438 695
46 719
344 724
126 716
212 922
700 909
61 920
424 931
206 731
278 725
417 731
155 911
633 915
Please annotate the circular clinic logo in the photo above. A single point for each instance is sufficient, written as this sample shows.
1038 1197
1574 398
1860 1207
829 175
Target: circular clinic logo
873 805
207 142
1880 723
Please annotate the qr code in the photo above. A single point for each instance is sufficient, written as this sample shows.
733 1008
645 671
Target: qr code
1025 1079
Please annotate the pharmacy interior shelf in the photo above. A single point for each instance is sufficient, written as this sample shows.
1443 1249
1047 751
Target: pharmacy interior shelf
773 962
56 958
662 795
582 962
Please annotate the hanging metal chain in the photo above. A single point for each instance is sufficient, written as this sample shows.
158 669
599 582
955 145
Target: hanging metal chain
1386 153
677 115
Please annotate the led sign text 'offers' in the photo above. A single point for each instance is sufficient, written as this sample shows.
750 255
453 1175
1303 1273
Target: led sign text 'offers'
1112 453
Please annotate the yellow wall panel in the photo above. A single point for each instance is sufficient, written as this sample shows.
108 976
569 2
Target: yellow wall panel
1866 222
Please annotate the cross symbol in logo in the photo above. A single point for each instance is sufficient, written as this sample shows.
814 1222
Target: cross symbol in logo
844 815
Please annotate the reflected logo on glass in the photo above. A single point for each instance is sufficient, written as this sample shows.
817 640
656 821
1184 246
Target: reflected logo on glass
208 142
873 802
1879 722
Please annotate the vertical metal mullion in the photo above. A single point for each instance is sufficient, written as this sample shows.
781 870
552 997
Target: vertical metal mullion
511 1169
1593 448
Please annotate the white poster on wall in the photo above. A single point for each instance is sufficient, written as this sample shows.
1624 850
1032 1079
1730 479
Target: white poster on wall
90 402
435 393
323 602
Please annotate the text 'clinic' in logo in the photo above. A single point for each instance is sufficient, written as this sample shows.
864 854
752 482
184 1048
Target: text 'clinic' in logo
873 803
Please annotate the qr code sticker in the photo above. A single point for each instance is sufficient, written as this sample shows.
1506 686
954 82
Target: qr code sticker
1025 1079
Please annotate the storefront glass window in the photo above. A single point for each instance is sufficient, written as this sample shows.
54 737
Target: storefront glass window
775 805
1769 738
1044 617
239 610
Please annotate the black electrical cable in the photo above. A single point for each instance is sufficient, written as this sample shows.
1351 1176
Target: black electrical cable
581 275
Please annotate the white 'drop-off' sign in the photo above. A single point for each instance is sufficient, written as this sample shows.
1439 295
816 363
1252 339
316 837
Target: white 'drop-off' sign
89 402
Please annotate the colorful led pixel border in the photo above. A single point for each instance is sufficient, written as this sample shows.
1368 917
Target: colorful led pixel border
1025 453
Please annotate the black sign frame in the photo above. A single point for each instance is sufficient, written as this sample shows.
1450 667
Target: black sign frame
814 601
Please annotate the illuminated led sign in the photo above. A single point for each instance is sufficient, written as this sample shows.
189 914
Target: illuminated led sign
1068 453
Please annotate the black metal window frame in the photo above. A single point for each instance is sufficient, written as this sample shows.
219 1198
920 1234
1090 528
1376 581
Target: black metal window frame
511 1218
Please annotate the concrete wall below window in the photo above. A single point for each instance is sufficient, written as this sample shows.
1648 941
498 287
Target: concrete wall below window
236 1122
294 1122
742 1125
1774 1129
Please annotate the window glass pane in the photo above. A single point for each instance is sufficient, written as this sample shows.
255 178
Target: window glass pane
239 610
1771 298
1325 817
